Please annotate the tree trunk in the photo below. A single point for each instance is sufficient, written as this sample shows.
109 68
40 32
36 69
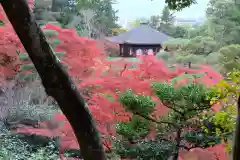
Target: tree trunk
236 143
56 81
55 7
178 141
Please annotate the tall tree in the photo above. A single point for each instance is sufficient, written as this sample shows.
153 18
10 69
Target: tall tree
179 4
58 5
106 16
167 24
154 21
223 17
54 10
167 19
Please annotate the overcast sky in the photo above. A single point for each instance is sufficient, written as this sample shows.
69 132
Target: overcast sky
132 9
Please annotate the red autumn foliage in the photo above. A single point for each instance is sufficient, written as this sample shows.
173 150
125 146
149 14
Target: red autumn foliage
9 44
217 152
3 15
85 61
31 3
58 127
81 53
106 111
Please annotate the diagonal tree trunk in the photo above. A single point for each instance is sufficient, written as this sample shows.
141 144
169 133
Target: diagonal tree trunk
56 81
236 143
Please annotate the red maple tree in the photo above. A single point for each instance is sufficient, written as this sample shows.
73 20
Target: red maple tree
9 46
109 76
217 152
81 53
103 78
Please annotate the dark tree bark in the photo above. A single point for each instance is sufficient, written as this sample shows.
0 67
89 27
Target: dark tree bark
236 143
178 141
54 7
56 81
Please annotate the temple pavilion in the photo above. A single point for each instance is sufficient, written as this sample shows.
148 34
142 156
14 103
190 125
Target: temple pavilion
139 41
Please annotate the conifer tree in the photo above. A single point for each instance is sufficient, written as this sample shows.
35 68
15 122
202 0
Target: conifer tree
179 130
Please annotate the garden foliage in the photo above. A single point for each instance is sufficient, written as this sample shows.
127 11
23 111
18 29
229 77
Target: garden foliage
130 101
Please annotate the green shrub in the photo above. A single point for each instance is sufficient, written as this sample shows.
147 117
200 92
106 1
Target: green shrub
185 103
14 147
194 59
201 46
175 44
212 58
159 150
229 58
163 55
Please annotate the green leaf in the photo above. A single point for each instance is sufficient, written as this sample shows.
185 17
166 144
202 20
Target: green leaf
59 54
143 105
54 42
50 33
1 23
164 91
25 67
136 128
24 57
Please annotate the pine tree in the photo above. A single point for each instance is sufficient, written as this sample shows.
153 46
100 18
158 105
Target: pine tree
179 130
27 71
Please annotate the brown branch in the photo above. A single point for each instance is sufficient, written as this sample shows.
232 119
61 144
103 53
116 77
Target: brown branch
155 121
163 139
109 150
178 141
124 69
56 81
198 109
187 148
174 109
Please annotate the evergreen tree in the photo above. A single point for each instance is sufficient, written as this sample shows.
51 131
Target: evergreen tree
223 21
178 130
167 17
179 4
166 24
154 22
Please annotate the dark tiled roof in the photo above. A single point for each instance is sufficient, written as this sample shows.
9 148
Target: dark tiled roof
140 35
